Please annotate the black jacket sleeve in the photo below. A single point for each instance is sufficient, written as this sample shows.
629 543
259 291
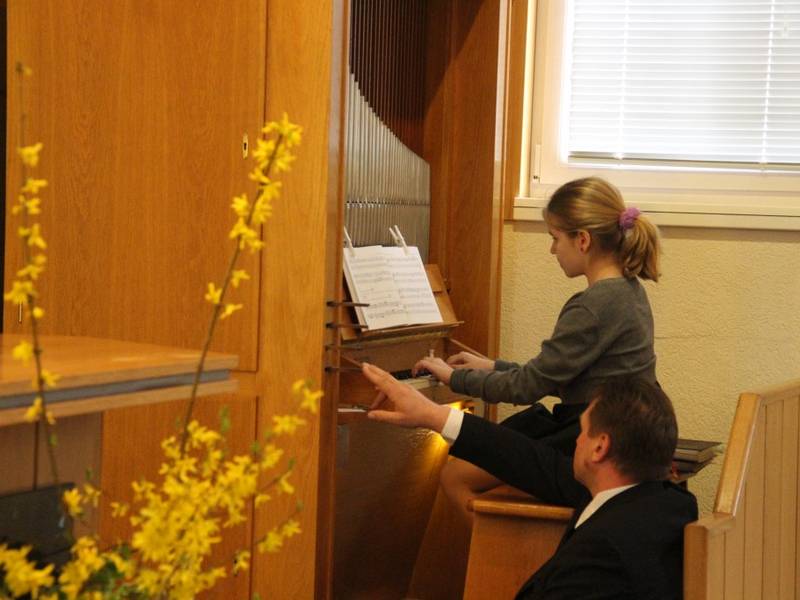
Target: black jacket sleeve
514 458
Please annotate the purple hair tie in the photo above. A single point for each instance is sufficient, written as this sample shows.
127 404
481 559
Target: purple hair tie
627 217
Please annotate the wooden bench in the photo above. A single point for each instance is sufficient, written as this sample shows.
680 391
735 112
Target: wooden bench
513 534
747 549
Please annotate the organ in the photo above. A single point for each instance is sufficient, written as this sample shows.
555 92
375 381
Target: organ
418 151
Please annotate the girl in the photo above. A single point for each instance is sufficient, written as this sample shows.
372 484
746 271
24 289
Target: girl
603 331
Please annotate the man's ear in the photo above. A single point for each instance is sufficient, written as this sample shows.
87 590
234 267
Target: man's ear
584 240
601 448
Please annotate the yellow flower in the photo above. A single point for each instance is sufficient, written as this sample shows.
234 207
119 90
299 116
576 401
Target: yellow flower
241 206
73 500
290 528
271 543
32 186
272 454
229 310
241 562
51 419
22 577
262 499
119 509
31 271
92 494
20 291
310 400
30 154
213 294
34 410
37 312
287 423
237 276
48 379
284 485
33 235
23 351
292 134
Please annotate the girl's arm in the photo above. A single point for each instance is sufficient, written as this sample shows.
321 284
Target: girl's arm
575 345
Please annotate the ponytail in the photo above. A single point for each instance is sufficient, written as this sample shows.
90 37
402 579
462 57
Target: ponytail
594 205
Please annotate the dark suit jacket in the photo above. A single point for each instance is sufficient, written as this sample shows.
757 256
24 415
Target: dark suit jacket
631 548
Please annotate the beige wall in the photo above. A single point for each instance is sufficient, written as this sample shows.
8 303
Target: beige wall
727 316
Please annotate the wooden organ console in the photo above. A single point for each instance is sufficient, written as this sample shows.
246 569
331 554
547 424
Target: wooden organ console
392 536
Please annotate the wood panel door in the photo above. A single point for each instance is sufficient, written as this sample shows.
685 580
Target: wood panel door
141 106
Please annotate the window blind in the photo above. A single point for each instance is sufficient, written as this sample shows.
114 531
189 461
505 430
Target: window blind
705 81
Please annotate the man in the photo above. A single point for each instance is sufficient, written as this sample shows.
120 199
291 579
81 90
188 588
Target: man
625 540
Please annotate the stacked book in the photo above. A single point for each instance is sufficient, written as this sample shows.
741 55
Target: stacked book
692 455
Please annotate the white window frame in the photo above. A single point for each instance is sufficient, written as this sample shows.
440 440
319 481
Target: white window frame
674 195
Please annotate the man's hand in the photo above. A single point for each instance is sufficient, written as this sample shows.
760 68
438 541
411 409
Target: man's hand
436 367
400 404
467 360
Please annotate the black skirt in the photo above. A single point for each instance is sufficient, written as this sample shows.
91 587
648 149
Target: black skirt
559 429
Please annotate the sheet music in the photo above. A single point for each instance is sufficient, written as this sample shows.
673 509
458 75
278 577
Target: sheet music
370 280
413 285
393 283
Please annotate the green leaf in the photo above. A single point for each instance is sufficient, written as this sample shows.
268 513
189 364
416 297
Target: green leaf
224 420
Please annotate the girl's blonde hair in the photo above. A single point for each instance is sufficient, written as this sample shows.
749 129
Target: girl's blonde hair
594 205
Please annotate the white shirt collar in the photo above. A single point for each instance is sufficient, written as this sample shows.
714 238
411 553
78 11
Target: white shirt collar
598 501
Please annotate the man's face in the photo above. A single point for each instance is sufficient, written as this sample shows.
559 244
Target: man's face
582 463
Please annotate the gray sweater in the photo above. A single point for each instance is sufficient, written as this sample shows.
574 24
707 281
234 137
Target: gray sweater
603 331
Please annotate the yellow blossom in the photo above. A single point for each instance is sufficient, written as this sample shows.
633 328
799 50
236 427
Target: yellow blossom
23 351
291 133
241 206
241 562
37 312
51 419
73 500
20 291
21 576
30 270
119 509
262 499
34 410
32 186
213 294
92 494
284 486
30 154
272 454
287 423
48 379
229 310
33 235
237 276
271 543
310 400
290 528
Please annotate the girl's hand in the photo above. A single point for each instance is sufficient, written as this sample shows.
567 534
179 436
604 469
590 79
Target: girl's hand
436 367
466 360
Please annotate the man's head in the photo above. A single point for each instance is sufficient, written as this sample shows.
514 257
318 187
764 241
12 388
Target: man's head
629 432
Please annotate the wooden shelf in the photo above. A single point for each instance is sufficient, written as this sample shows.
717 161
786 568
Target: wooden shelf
100 374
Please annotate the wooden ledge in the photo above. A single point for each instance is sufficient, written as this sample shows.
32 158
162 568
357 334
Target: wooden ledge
508 501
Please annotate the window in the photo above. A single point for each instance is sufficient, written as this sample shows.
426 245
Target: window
691 107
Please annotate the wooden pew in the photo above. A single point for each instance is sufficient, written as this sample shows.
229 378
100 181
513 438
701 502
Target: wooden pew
748 547
513 534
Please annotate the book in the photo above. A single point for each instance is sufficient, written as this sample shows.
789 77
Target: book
695 450
688 466
393 282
